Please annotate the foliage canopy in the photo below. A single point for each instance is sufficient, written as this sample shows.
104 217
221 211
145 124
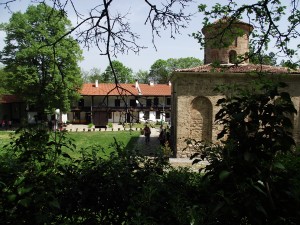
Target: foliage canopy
41 69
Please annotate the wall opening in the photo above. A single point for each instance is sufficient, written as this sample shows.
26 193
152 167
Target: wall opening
201 119
232 56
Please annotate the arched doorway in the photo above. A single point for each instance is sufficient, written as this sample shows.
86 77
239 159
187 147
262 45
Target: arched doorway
232 56
201 119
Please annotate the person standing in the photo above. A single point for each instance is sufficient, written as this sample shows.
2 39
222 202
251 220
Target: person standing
147 133
162 137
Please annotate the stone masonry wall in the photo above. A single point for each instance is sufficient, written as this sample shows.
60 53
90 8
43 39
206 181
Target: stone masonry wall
194 104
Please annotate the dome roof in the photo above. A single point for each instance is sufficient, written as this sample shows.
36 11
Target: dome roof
228 21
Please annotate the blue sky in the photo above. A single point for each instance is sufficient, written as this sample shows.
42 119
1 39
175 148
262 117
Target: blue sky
182 46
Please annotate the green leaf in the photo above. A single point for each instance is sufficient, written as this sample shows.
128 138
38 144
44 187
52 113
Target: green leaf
279 165
66 155
23 190
19 180
11 197
259 189
261 209
54 204
218 207
224 174
25 202
248 156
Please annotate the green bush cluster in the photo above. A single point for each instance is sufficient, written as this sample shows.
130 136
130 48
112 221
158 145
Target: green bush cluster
251 177
42 184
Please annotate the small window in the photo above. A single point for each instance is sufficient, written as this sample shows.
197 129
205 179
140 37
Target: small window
132 102
81 103
168 115
236 42
77 115
157 115
232 56
109 115
168 101
146 115
149 102
156 102
117 102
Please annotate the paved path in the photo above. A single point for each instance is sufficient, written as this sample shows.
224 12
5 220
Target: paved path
153 146
149 149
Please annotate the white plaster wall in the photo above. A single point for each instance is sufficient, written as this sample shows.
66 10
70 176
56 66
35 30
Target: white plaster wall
30 117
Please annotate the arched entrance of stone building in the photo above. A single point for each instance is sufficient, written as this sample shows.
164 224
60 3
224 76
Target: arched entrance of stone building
201 119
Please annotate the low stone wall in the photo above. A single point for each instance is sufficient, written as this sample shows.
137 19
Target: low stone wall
86 129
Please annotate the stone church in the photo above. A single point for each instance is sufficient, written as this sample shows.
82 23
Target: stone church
193 99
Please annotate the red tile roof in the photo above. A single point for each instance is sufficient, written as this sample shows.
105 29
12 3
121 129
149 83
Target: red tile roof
125 89
4 99
242 68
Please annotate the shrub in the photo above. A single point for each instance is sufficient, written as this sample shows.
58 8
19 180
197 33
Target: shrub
40 184
91 125
110 125
245 181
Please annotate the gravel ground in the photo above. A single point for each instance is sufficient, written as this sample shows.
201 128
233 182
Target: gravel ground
153 146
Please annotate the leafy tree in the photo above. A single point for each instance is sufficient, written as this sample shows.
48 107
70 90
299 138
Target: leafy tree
95 74
142 76
122 73
262 58
289 64
265 59
92 75
46 76
85 76
161 70
3 82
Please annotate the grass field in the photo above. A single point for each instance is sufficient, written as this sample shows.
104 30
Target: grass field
103 140
5 137
83 140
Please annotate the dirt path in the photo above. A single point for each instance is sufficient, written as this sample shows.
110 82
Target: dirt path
149 149
153 146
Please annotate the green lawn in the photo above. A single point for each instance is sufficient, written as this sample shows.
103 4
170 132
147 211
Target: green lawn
83 140
5 137
103 139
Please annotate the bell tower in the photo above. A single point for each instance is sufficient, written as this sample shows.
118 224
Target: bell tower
226 41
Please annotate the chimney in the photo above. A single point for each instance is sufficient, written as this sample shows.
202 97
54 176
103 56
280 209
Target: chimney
170 83
137 86
96 83
151 82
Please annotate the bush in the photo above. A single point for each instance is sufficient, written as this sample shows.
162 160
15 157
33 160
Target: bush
246 182
41 184
91 125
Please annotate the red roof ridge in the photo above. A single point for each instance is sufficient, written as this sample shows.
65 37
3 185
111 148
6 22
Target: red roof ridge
241 68
125 89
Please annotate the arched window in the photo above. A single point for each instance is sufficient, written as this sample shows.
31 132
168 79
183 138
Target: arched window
232 56
201 119
236 42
